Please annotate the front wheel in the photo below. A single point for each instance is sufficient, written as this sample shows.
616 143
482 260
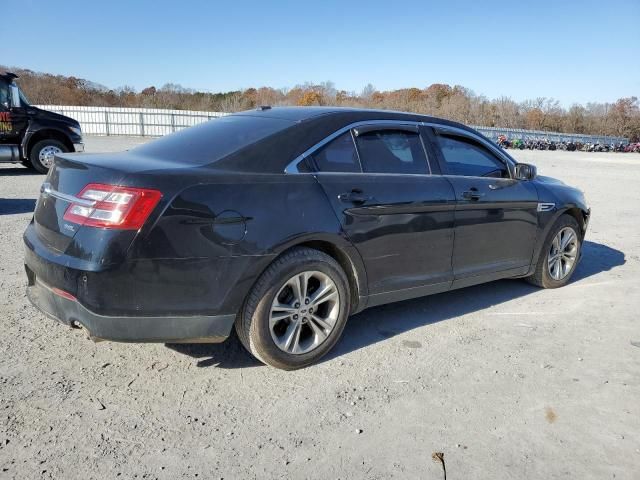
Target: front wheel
296 311
560 254
43 152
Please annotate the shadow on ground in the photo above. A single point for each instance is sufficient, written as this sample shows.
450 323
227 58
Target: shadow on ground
18 171
381 323
11 206
229 354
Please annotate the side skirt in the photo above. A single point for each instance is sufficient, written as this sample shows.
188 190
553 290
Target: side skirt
489 277
423 291
399 295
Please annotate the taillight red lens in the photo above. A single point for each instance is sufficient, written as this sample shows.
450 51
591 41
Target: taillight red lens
125 208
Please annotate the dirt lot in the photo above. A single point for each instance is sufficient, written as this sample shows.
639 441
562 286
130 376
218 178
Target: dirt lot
506 380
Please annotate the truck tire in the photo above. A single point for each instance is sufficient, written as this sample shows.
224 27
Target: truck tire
42 154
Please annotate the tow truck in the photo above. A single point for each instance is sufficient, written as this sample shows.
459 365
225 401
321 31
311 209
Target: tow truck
30 135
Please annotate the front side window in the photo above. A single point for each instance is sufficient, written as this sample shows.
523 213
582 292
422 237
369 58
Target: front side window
392 151
339 155
467 158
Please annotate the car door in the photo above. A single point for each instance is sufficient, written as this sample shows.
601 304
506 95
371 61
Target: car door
6 126
496 215
13 118
398 215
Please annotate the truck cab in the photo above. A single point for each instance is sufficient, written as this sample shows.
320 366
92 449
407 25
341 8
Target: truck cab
30 135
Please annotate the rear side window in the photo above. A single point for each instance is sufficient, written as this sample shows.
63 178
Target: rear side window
339 155
467 158
214 139
392 151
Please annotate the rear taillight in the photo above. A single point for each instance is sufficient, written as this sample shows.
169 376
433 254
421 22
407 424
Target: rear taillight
110 206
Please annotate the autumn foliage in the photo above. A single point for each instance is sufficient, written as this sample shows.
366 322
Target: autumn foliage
621 118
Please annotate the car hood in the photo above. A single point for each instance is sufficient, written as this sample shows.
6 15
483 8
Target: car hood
549 180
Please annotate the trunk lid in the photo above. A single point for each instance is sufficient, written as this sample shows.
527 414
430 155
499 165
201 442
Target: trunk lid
71 173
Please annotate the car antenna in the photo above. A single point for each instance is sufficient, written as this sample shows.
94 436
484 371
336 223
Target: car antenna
262 108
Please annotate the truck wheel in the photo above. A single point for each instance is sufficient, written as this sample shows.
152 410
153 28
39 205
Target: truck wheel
42 154
296 311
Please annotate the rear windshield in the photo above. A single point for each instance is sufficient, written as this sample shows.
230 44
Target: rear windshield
214 139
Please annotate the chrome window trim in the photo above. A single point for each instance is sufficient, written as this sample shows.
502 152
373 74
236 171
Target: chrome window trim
373 174
292 167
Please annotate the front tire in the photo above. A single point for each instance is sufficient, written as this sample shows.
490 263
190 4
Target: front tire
559 255
296 311
43 152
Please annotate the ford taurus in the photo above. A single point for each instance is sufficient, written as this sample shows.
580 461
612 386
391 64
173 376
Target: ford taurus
282 222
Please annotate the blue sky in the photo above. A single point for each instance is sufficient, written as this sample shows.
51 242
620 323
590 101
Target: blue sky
575 51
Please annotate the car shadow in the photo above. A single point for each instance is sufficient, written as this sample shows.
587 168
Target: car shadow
229 354
18 171
11 206
597 258
381 323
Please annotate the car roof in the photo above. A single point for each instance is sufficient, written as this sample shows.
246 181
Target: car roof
309 125
295 114
298 114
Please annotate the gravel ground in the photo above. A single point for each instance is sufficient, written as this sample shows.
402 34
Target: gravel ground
506 380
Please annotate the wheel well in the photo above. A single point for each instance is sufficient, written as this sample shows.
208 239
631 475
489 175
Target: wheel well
345 262
580 216
45 135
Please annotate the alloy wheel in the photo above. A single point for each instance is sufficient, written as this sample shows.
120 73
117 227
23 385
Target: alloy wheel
304 312
563 253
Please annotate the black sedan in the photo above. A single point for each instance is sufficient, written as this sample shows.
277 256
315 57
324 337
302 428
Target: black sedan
282 222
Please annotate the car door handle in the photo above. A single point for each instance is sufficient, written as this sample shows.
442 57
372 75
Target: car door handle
472 194
354 196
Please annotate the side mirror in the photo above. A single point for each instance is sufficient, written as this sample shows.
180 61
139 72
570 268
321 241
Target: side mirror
15 96
525 171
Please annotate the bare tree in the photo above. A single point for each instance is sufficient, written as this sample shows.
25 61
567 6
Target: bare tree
456 103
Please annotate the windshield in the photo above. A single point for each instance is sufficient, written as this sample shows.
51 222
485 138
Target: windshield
214 139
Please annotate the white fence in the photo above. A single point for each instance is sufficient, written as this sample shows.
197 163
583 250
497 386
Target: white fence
516 133
143 122
155 122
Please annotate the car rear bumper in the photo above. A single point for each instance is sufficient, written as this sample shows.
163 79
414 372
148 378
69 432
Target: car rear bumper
64 308
142 287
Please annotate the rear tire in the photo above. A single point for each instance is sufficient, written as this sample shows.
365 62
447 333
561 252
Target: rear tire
42 153
296 311
557 262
